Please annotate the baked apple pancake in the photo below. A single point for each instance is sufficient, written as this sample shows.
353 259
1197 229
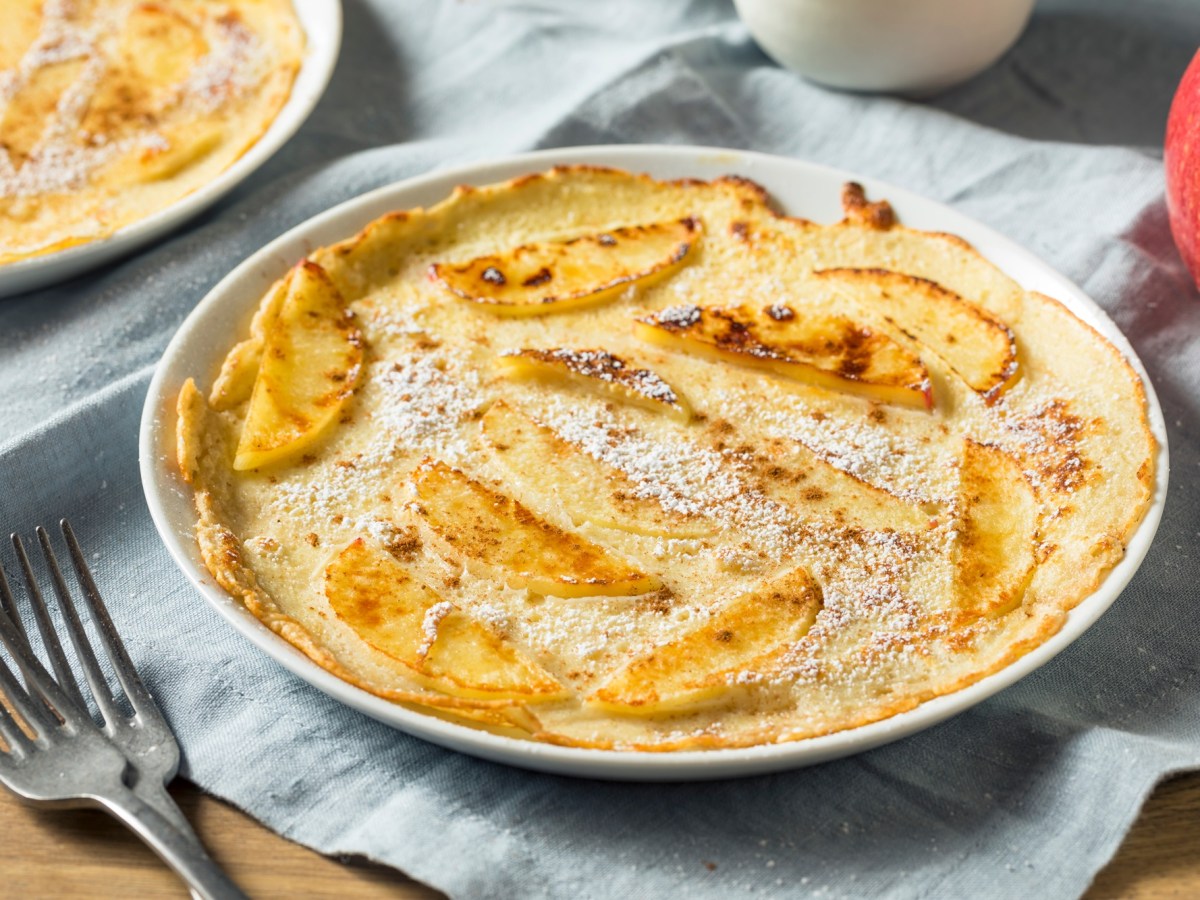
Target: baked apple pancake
603 461
112 110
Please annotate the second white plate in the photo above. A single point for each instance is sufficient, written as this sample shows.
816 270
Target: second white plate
802 189
322 24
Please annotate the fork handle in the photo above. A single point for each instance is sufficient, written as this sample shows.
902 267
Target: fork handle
186 857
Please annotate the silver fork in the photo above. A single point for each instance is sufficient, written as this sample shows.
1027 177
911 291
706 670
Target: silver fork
60 756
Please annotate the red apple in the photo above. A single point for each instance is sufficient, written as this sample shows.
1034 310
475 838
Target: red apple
1181 157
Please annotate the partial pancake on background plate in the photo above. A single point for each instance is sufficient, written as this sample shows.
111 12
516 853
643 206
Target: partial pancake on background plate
111 110
604 461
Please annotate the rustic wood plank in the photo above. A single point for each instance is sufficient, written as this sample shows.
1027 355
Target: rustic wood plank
83 853
1160 858
79 853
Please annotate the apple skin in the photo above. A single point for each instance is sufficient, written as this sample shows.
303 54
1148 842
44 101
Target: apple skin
1181 158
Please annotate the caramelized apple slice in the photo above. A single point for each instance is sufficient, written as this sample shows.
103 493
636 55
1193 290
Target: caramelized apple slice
997 525
600 371
500 538
744 638
183 150
172 152
393 612
235 382
546 466
553 276
480 662
824 350
975 344
310 365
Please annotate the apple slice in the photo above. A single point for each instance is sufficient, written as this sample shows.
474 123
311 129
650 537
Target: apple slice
310 364
827 351
184 150
795 476
550 468
600 371
512 721
554 276
235 382
997 526
499 537
975 344
745 637
145 77
171 153
393 612
159 47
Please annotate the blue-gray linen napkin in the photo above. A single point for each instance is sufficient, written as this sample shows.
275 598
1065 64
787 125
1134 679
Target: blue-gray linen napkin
1058 147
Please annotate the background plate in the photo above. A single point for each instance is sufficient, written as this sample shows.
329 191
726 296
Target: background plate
322 24
803 189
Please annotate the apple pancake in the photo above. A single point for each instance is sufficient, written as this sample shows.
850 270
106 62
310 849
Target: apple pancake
603 461
112 110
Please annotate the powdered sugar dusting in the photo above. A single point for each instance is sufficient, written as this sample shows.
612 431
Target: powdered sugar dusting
885 577
425 401
677 316
680 475
228 70
429 625
876 455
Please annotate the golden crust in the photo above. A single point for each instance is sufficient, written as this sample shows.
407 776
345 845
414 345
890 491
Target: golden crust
867 497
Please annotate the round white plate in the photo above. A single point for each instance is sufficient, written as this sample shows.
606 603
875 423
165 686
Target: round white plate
802 189
322 24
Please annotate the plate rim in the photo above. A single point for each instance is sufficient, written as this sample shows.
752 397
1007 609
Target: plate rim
162 485
324 18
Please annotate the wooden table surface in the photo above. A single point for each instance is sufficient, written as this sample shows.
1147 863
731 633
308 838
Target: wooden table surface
65 854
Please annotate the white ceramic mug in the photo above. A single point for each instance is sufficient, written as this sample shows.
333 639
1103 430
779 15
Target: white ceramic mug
903 46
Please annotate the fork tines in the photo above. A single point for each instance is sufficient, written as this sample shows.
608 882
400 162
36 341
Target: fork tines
66 692
41 685
31 713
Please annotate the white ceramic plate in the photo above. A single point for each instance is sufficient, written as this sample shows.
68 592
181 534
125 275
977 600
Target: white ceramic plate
322 24
803 189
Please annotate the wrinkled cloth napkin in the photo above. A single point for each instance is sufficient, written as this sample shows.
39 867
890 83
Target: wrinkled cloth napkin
1029 793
